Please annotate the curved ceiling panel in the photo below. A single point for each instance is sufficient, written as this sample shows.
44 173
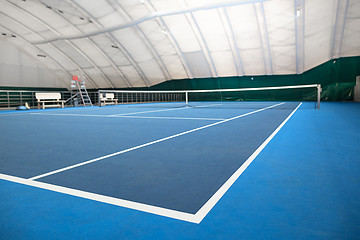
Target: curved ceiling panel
138 43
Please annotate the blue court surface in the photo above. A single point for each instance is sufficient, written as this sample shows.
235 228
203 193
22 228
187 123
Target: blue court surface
219 170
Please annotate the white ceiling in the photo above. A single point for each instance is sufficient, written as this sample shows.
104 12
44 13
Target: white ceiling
137 43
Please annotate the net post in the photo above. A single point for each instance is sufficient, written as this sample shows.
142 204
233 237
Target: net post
186 99
318 95
99 101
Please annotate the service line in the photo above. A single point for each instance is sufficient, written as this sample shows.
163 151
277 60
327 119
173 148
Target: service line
150 143
194 218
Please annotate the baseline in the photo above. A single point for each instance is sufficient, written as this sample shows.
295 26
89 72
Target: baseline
101 198
162 110
194 218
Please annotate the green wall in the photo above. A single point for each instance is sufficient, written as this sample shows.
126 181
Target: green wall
337 78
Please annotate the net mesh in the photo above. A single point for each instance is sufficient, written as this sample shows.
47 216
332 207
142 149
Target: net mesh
219 98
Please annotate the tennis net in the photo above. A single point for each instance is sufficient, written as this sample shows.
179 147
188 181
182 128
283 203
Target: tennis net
230 98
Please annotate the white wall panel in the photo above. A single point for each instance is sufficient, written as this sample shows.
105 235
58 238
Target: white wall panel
213 30
174 66
96 76
351 38
73 54
91 51
261 33
152 71
319 20
351 41
132 75
133 44
253 62
114 77
224 63
17 69
16 12
284 60
97 8
198 64
245 26
183 33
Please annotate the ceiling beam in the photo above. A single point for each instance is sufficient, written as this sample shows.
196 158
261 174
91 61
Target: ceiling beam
67 41
173 40
177 49
265 37
93 43
203 44
121 48
61 52
147 41
153 16
200 38
299 16
260 36
339 28
38 49
84 12
232 41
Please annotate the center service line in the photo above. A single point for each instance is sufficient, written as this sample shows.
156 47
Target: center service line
151 143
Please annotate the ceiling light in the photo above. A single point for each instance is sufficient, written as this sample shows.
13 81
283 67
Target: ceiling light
298 12
164 31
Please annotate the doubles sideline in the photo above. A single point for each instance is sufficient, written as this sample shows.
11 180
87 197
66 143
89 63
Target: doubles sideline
194 218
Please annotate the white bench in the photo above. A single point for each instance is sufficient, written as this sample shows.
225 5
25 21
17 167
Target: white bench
108 99
49 99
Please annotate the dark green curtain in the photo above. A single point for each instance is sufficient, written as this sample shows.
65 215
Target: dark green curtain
337 78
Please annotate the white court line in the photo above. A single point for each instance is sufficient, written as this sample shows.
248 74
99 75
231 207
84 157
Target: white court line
194 218
162 110
105 199
12 114
177 118
69 114
113 116
205 209
204 106
149 143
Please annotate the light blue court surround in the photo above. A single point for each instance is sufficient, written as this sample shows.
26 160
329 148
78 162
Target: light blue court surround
303 185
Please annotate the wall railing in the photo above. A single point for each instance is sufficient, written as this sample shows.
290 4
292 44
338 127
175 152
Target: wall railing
15 98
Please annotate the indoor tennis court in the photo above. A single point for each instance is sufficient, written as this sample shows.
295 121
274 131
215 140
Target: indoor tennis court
179 119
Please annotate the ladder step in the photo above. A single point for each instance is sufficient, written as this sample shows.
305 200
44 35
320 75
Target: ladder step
83 95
